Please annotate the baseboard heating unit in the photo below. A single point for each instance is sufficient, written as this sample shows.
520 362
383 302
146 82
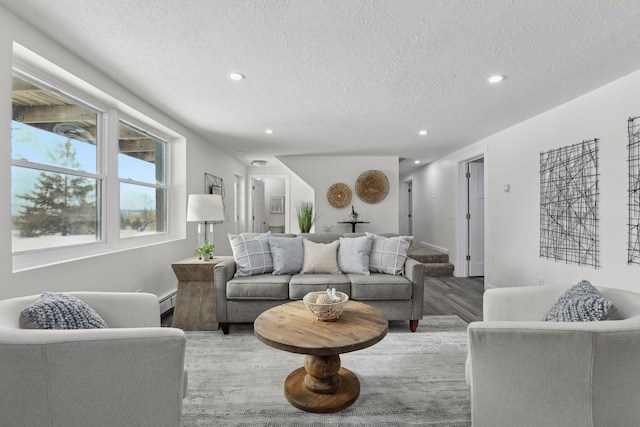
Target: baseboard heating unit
168 302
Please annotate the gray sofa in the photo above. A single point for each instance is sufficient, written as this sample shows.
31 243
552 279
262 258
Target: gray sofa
243 299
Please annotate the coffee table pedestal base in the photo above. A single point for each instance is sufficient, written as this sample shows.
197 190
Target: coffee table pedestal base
298 394
322 385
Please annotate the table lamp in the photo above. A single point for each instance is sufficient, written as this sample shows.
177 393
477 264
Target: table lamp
205 209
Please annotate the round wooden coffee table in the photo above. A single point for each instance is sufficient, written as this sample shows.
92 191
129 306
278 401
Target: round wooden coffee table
322 385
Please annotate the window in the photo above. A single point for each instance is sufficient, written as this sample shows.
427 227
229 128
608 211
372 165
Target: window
55 180
88 176
143 193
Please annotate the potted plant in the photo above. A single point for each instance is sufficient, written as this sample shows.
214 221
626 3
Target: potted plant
204 252
306 216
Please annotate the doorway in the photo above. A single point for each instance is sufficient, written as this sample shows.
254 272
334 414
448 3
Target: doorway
471 216
406 221
271 188
475 218
258 224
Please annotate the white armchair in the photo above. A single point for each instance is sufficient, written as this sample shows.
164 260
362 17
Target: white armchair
129 374
525 372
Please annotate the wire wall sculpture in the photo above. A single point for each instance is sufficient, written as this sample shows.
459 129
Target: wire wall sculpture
569 204
214 185
633 248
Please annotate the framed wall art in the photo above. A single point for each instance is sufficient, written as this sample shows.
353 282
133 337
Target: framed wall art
277 205
569 193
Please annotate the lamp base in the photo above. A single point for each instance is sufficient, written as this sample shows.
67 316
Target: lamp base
205 232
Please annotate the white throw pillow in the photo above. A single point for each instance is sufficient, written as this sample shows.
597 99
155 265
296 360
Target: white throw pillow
252 255
320 257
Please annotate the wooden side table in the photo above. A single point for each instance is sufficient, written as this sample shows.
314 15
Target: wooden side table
195 308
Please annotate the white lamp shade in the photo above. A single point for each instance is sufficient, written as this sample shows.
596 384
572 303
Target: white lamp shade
205 207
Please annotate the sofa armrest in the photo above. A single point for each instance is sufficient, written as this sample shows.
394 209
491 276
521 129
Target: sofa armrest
520 303
222 273
100 377
415 271
124 309
118 309
518 368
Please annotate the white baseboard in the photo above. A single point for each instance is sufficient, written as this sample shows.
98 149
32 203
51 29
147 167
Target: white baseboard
436 248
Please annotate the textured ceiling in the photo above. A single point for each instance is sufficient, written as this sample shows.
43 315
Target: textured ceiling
348 77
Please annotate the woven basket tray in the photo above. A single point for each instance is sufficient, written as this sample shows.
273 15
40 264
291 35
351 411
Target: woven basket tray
325 312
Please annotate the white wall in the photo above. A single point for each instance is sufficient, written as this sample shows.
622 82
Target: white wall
320 172
513 219
147 268
300 191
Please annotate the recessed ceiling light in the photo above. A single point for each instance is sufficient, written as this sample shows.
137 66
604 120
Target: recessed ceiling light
496 79
259 162
269 131
423 132
240 152
236 76
417 162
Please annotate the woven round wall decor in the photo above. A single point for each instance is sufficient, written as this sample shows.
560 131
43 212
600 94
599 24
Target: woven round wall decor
339 195
372 186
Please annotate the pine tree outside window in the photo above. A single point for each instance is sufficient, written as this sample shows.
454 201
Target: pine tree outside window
54 177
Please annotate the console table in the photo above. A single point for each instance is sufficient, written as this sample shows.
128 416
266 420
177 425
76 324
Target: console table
353 224
195 308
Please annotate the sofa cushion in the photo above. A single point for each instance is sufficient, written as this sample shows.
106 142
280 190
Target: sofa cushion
581 303
287 254
251 254
353 255
302 284
60 311
388 254
320 257
264 286
378 287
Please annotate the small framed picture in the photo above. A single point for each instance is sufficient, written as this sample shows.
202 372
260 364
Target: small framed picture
277 204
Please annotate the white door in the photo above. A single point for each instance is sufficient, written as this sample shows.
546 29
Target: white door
257 205
476 219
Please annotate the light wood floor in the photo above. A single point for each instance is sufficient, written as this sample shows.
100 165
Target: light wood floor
454 295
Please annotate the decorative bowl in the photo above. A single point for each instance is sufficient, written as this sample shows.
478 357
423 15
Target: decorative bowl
325 312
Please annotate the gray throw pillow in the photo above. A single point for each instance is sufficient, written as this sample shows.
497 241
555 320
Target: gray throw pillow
287 254
581 303
388 254
252 255
353 254
60 311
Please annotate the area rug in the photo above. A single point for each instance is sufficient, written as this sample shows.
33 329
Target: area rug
407 379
